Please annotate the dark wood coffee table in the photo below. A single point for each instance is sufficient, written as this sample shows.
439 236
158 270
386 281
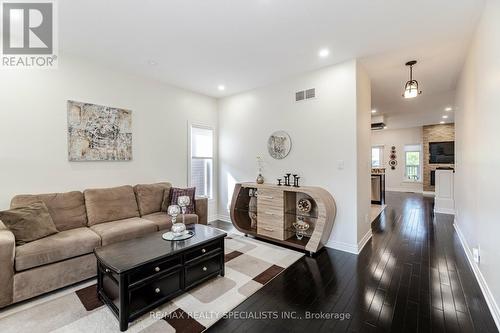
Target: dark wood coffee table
137 275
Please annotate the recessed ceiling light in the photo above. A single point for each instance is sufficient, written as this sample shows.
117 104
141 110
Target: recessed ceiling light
385 127
152 63
374 111
221 87
323 53
448 109
445 117
441 122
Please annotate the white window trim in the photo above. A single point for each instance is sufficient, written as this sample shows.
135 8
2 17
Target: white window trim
382 159
214 161
421 164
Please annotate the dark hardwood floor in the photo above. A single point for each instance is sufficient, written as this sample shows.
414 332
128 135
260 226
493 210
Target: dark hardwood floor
413 276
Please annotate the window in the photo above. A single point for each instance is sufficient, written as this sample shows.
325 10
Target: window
202 160
412 162
377 156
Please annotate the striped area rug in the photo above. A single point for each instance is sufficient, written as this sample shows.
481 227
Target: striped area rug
250 264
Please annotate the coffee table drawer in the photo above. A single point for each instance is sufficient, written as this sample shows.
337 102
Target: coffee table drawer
155 268
157 290
197 272
203 250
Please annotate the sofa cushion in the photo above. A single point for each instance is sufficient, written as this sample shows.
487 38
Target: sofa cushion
29 223
164 221
39 280
150 197
110 204
116 231
66 209
63 245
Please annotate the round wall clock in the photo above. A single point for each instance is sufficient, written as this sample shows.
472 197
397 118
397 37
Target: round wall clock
279 145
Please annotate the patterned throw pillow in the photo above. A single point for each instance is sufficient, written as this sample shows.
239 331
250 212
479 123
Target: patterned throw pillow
176 192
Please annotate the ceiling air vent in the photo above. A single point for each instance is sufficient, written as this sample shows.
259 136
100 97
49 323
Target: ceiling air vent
310 93
299 96
305 94
377 126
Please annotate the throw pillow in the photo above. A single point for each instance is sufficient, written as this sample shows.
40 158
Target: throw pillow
174 195
29 223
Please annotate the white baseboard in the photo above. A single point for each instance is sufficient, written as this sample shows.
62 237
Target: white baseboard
364 240
341 246
490 300
401 189
351 248
222 217
444 211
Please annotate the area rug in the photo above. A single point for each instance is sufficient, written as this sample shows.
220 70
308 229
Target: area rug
250 264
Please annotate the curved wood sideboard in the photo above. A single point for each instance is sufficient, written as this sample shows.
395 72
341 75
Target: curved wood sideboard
276 211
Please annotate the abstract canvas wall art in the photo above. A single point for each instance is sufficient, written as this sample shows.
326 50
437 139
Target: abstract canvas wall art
99 133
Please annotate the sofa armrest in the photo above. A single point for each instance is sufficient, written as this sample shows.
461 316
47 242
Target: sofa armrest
202 210
7 253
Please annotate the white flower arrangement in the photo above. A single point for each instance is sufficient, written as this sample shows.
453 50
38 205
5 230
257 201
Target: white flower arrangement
260 163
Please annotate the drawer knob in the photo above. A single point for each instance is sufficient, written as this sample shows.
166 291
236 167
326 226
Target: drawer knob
204 269
157 269
203 250
157 290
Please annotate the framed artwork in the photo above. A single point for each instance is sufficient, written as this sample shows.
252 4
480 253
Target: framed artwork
98 133
279 145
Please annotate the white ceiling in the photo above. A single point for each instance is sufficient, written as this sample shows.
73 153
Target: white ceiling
437 70
199 44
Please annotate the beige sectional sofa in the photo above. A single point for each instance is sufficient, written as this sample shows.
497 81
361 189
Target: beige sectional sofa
85 220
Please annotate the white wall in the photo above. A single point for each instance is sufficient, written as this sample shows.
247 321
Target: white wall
395 179
477 159
363 139
33 128
323 133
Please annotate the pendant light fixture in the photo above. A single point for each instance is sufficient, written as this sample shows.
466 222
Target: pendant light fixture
411 87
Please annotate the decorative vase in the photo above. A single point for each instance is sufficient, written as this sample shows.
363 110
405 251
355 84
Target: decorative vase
252 209
260 179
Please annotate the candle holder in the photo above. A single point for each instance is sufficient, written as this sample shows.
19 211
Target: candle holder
177 228
287 179
279 181
296 181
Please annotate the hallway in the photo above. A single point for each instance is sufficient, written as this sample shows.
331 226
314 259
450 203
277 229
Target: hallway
413 276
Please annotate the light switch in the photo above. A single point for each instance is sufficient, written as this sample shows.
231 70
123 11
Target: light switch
475 254
340 164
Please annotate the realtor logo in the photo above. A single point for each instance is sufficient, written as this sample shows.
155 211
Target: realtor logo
28 34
